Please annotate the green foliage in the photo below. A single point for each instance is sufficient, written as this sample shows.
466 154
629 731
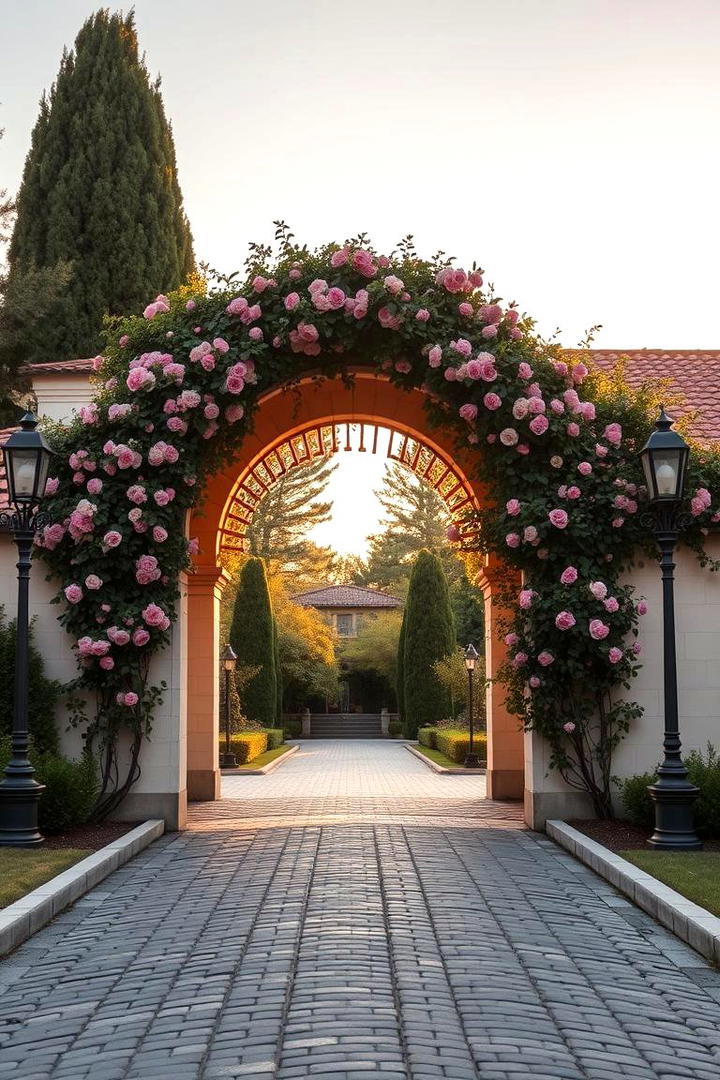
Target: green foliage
427 736
292 727
99 193
252 638
400 676
247 745
43 693
276 737
376 646
305 647
455 744
452 674
703 772
429 636
71 788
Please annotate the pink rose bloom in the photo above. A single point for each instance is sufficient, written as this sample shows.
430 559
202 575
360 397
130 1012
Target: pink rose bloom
220 345
135 514
387 320
259 283
453 534
587 410
617 523
573 430
422 314
453 280
73 594
123 340
534 682
465 309
569 727
112 538
52 485
291 301
140 378
584 468
569 575
473 369
539 425
140 638
295 274
511 639
339 258
233 413
462 346
107 663
642 608
255 333
92 581
545 658
146 569
525 372
598 630
492 401
615 655
513 540
126 457
52 535
600 450
509 436
520 659
161 497
512 506
573 492
613 434
525 598
100 648
203 349
89 413
450 374
475 279
403 366
153 615
536 404
564 620
558 518
130 699
211 411
598 589
237 306
611 604
490 313
468 412
579 372
136 494
636 648
191 305
393 284
94 486
362 261
489 332
159 534
176 425
520 408
435 356
557 407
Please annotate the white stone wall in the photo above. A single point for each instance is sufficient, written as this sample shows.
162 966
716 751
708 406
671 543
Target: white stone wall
59 396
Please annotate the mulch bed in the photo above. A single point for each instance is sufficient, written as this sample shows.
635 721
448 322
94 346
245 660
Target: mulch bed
622 836
91 836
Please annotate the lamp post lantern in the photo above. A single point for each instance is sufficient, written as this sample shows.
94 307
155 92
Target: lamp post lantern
664 460
229 659
472 761
27 459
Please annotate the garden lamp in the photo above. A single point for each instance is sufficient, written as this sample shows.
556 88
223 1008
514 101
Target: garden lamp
472 761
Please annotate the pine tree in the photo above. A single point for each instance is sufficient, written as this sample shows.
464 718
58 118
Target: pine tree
99 191
285 515
429 636
252 637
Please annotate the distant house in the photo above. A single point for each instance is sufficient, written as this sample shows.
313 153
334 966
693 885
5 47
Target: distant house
345 606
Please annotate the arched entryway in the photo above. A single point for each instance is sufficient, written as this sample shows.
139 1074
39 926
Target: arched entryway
369 398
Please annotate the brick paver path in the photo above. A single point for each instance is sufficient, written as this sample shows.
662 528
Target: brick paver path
353 915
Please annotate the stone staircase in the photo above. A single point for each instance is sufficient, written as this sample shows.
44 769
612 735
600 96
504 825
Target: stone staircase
345 726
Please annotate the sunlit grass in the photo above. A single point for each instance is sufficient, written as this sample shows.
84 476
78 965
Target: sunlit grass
25 869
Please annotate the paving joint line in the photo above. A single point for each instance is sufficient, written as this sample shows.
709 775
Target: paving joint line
390 954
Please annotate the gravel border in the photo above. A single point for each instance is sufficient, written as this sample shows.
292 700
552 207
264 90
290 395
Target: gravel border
694 924
31 912
460 771
274 764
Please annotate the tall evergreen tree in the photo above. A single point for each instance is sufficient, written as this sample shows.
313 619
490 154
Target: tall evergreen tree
252 636
400 676
429 636
100 192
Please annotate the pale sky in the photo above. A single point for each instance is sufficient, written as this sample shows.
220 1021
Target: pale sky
569 146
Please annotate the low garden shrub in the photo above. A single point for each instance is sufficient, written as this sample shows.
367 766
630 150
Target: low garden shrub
456 744
71 788
247 745
427 736
275 737
703 771
43 693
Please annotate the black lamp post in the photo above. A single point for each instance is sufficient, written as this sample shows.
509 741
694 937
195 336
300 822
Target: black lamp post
472 761
27 458
664 460
229 659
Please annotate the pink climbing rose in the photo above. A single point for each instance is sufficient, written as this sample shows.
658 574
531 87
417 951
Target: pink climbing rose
569 575
615 655
545 658
564 620
558 518
73 594
598 589
598 629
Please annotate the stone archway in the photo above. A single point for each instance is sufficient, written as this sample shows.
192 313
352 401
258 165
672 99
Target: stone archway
371 398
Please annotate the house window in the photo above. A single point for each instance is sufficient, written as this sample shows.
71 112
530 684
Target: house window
344 625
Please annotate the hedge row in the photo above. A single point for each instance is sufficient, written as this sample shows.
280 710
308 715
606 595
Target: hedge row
452 742
71 788
703 771
248 745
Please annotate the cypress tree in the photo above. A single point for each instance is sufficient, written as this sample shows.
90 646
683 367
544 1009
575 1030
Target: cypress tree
100 192
252 636
429 636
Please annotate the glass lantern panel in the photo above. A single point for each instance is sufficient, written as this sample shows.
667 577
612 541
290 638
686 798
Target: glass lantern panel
667 473
23 466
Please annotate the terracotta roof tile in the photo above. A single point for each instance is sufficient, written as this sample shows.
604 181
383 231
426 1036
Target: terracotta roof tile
347 596
79 367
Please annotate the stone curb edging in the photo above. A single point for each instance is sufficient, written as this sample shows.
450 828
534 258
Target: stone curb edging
30 913
694 924
441 768
266 768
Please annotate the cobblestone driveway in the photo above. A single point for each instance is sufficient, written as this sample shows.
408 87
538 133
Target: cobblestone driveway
317 923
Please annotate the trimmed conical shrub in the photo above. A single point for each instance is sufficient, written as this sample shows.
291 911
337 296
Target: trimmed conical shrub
429 636
252 636
99 192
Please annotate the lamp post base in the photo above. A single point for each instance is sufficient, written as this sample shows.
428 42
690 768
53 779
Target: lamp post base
674 827
472 761
19 813
228 761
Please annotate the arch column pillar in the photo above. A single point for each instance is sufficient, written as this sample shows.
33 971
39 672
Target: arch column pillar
204 591
505 744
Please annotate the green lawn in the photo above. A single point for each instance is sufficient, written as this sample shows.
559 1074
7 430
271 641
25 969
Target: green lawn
439 758
24 869
267 756
695 874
